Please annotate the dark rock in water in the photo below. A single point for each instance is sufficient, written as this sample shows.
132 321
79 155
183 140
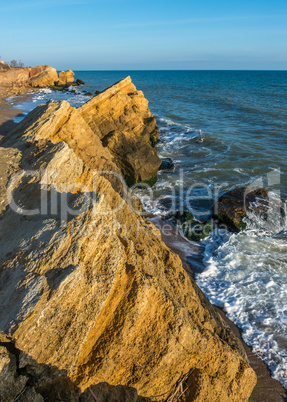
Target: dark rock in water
191 228
89 93
242 202
98 92
166 164
79 82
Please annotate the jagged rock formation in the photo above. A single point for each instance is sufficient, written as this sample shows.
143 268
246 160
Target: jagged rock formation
86 284
45 78
122 120
37 77
66 77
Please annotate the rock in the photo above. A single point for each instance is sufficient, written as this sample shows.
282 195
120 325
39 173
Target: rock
191 228
121 118
88 289
11 382
166 164
104 392
242 202
79 82
98 92
66 77
4 66
45 78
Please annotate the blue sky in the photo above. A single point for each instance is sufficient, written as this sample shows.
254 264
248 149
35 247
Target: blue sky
134 34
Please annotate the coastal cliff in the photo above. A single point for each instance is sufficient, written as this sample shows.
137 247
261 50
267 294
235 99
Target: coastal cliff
94 301
33 77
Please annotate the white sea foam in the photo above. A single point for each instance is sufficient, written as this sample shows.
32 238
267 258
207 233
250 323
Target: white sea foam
246 274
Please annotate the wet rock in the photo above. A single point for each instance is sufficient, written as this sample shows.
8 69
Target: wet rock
166 164
191 228
242 202
79 82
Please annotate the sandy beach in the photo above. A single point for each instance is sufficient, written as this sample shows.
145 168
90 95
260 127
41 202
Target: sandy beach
7 113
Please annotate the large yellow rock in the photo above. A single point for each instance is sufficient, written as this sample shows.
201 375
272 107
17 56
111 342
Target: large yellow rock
66 77
121 118
45 78
87 285
41 76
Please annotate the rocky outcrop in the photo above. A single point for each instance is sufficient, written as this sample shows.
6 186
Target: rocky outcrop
254 203
122 120
37 77
45 78
87 286
66 77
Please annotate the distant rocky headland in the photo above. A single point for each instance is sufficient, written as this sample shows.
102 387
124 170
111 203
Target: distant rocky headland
94 305
19 80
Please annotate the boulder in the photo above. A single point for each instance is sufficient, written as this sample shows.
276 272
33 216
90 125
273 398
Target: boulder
79 82
191 228
48 76
166 164
121 118
66 77
88 288
254 203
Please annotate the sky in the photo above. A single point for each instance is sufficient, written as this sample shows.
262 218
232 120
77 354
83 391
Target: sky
146 35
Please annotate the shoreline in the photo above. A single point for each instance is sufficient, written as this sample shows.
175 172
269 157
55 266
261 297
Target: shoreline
8 112
267 387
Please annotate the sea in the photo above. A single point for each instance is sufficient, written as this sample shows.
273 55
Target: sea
223 130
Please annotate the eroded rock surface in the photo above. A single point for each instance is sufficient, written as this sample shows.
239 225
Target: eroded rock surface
121 118
37 77
66 77
87 287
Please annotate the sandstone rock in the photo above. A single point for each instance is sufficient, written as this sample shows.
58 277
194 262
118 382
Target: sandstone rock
121 118
66 77
45 78
89 289
40 76
239 203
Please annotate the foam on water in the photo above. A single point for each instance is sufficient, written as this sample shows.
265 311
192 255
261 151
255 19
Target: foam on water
246 275
74 95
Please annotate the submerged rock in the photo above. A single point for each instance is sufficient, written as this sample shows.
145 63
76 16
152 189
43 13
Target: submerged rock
166 164
256 203
88 289
191 228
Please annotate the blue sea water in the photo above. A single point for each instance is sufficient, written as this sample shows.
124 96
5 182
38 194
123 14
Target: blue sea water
223 129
